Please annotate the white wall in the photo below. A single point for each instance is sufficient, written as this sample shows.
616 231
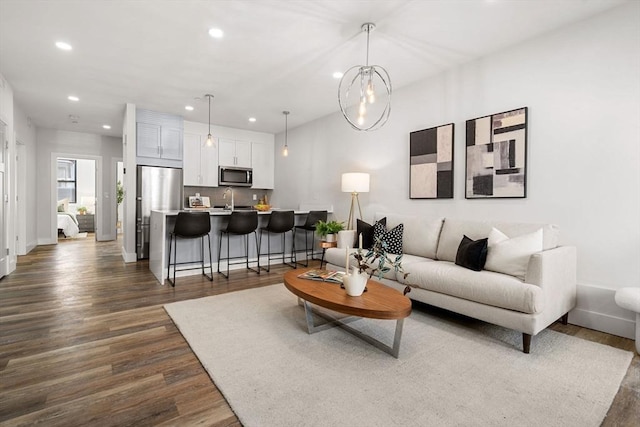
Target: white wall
26 227
582 88
52 143
129 164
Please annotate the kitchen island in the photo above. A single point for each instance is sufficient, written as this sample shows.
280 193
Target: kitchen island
163 221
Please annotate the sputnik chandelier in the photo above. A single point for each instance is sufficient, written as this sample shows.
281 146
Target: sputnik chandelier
362 103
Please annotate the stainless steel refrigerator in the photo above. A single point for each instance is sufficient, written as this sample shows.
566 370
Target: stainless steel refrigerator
159 189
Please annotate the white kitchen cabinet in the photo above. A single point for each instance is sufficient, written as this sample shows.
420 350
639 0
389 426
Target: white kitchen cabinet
200 162
158 139
234 153
263 164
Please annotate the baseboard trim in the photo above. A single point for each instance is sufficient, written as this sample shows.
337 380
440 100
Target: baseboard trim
602 322
47 242
129 257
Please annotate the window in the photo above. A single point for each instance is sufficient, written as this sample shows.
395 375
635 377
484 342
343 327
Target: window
67 180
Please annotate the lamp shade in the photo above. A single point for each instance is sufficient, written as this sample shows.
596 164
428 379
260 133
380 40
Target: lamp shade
355 182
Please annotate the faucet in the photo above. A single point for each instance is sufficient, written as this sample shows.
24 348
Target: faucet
224 196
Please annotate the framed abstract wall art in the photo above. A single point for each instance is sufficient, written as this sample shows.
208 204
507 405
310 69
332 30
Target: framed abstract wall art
431 163
496 158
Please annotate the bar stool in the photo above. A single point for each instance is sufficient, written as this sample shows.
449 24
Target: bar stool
279 223
241 223
309 226
190 225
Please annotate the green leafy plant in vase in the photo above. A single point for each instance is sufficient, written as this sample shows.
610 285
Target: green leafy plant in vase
328 230
377 261
82 210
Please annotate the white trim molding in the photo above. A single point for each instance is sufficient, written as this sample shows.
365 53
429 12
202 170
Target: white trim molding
597 309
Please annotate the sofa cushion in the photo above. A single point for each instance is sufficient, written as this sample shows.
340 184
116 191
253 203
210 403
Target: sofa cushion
367 233
511 256
453 230
485 287
472 254
392 237
421 234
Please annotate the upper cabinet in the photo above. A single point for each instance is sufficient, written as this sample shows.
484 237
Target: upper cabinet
158 139
263 164
200 161
234 153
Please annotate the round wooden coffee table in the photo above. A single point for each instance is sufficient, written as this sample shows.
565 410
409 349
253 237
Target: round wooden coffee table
379 302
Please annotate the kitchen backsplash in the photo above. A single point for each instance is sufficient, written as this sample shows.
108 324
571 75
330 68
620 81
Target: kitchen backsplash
241 196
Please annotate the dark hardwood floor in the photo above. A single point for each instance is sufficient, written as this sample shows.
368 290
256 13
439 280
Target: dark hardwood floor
84 340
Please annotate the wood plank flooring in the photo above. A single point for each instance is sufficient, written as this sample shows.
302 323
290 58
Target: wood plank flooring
84 340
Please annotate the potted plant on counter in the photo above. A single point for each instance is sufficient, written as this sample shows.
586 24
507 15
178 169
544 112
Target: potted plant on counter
329 229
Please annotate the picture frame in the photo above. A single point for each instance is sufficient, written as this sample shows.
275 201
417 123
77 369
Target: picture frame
496 155
431 163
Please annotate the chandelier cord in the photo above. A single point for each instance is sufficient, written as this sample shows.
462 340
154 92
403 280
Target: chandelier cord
368 31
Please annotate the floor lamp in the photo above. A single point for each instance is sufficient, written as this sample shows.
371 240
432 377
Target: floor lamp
354 183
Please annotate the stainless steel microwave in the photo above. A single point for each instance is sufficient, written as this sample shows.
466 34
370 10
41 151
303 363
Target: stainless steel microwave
235 177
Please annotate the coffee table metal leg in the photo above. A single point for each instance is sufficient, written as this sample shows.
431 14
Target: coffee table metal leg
342 323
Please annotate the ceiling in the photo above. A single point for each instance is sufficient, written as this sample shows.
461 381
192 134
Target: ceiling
275 54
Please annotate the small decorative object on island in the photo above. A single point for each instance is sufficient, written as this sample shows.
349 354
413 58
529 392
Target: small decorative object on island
82 210
328 230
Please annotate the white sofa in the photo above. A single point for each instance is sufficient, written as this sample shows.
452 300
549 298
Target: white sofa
545 293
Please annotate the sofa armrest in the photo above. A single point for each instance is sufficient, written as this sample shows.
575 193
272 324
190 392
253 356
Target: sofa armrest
346 238
555 272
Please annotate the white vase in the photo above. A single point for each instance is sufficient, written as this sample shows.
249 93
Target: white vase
330 238
355 282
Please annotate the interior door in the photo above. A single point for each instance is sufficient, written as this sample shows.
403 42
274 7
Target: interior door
3 202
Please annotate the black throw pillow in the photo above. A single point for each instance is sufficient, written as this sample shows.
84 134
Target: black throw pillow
472 254
367 233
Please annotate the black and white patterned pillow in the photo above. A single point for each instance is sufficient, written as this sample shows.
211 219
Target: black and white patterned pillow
392 238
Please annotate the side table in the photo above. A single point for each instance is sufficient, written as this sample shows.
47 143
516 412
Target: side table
324 245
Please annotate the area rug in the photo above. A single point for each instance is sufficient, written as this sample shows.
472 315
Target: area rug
450 371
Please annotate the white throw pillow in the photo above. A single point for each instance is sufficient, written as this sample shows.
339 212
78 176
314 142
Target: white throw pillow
511 256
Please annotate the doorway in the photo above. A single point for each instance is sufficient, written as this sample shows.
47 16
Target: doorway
3 202
119 197
76 193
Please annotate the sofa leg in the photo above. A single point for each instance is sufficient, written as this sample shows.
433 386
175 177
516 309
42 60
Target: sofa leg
565 318
526 343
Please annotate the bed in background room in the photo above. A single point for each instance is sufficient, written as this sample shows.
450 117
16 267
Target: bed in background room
67 222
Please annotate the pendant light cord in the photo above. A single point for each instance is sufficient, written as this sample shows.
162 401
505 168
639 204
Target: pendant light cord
209 96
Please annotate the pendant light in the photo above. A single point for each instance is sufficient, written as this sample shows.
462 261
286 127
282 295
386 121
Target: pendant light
358 87
285 149
209 137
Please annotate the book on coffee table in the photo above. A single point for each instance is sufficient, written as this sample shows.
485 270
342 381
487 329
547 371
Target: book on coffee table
323 275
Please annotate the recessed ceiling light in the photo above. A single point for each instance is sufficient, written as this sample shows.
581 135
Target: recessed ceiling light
252 119
337 75
63 46
73 98
106 126
216 33
188 108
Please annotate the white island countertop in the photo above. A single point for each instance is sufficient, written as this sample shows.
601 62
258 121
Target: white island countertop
221 211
